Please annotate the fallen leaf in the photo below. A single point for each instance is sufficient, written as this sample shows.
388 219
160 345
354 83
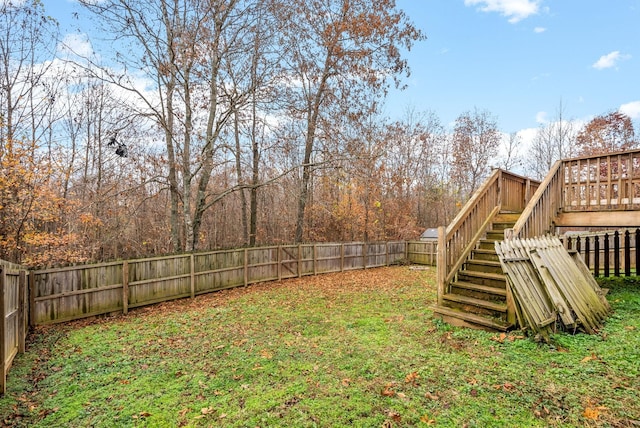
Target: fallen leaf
183 412
593 413
346 381
412 378
500 338
206 410
144 414
431 396
427 420
388 392
395 416
266 354
590 358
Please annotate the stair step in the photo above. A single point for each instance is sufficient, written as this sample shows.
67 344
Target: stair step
483 278
506 217
495 235
485 266
496 291
487 244
502 225
464 319
483 254
472 301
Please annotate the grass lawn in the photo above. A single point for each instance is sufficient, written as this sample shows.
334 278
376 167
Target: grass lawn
351 349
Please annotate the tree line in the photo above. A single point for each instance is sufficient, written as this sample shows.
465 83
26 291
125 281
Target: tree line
187 125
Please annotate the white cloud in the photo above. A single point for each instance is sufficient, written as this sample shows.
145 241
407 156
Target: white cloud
539 30
515 10
631 109
541 117
609 60
76 44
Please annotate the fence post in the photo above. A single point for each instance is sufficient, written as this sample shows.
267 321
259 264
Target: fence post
364 255
32 299
22 291
342 257
246 267
386 253
279 263
587 251
125 287
299 260
637 251
616 253
192 276
606 255
627 254
315 259
3 333
596 256
441 263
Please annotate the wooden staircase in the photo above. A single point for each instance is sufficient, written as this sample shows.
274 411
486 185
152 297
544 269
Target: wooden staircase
477 297
472 289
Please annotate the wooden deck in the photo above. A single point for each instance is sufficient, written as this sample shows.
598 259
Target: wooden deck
578 194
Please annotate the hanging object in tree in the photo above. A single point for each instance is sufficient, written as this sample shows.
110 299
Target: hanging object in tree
121 149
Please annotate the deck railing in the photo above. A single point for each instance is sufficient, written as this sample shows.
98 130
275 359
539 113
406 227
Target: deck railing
539 213
602 182
592 183
501 191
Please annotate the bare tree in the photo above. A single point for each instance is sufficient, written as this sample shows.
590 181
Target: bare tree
337 51
554 140
27 38
181 46
475 142
511 158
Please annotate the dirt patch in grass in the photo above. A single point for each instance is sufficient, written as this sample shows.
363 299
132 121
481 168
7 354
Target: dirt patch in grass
357 348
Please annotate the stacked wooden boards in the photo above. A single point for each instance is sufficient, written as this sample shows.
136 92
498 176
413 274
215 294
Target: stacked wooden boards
550 286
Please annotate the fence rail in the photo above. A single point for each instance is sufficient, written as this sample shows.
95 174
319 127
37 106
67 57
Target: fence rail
611 253
65 294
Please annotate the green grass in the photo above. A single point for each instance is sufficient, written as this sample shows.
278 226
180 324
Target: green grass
352 349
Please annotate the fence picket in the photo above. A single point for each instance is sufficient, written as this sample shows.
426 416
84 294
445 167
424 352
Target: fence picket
610 252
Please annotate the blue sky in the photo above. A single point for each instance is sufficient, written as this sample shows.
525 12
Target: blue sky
520 59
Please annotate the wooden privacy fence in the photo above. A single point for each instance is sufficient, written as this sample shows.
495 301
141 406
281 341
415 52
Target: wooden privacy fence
422 252
13 328
65 294
608 253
